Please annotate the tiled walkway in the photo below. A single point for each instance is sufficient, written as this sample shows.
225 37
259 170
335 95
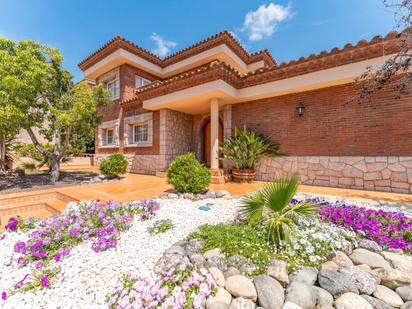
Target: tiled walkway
135 187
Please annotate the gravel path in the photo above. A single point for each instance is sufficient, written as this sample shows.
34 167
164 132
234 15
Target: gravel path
87 277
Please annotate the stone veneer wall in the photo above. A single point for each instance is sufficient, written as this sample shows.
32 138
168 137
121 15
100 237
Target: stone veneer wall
386 173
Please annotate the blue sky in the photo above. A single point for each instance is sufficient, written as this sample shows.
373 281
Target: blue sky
289 29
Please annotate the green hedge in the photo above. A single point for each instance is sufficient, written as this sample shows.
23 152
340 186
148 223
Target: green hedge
113 165
186 174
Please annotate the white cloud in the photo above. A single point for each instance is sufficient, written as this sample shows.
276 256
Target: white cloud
264 21
163 46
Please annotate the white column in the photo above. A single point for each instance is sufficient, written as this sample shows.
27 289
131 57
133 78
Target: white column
214 133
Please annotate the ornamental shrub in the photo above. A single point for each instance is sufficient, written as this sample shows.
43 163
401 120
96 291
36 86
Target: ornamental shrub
186 174
114 165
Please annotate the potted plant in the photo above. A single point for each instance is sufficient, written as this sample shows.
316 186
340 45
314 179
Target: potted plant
245 149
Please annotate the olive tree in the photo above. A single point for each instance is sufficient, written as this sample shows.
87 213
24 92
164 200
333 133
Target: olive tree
37 86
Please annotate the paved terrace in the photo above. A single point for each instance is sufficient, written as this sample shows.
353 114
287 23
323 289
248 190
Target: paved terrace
43 203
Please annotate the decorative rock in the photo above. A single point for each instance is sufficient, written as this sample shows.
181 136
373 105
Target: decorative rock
388 296
278 270
217 252
194 245
352 301
222 193
374 260
221 296
307 275
236 261
189 196
231 272
218 262
376 303
169 261
197 259
392 278
218 276
241 286
370 271
323 298
248 268
289 305
330 266
210 194
336 283
241 303
301 294
369 245
181 243
172 196
401 262
341 259
175 250
217 305
407 305
364 281
405 292
270 293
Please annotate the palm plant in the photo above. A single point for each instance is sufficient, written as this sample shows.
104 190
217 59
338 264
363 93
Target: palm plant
245 149
271 205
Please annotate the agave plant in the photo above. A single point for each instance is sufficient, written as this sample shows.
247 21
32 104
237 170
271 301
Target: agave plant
245 149
271 205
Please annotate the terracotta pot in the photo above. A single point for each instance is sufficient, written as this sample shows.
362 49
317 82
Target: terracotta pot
243 175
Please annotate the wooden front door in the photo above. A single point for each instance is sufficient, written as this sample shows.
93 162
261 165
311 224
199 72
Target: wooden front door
206 142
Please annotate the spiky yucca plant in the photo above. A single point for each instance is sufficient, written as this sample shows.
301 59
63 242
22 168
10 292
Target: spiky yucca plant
271 205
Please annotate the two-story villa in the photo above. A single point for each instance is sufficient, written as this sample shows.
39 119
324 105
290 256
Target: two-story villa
191 100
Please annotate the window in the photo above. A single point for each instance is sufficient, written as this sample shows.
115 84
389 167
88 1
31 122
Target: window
141 82
113 87
140 134
109 137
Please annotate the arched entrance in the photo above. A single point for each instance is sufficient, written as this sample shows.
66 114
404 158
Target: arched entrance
206 140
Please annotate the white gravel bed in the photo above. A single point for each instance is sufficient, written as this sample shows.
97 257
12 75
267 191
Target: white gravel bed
87 277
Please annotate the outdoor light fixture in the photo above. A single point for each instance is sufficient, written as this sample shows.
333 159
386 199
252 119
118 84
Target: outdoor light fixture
301 109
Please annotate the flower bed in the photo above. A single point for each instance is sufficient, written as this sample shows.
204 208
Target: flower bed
183 287
388 228
52 238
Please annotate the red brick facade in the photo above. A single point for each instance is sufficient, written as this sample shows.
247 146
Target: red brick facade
332 125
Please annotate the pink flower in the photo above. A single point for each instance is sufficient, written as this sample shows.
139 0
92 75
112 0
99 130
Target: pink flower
3 295
44 281
57 257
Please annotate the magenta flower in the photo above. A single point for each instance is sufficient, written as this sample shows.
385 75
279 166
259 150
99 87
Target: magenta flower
39 264
57 257
12 224
3 295
44 281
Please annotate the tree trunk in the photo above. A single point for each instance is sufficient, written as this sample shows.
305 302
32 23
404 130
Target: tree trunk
2 153
55 170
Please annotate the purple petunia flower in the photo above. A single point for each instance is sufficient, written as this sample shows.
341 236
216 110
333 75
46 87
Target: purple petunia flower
44 281
3 295
12 224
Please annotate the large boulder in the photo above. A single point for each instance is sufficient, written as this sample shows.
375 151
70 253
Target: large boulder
218 276
194 245
217 305
169 261
307 275
231 271
388 296
301 294
241 286
352 301
218 262
221 295
289 305
236 261
364 281
407 305
399 261
216 252
278 270
242 303
374 260
336 283
197 259
270 294
323 298
405 292
392 278
376 303
340 258
175 250
369 245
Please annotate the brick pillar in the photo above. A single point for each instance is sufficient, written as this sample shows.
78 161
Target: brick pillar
121 130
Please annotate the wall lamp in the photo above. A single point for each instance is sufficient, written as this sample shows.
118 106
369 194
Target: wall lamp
301 109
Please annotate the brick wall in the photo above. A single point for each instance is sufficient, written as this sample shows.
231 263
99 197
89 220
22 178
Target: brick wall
331 124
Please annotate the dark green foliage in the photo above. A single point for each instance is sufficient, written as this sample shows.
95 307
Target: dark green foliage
186 174
114 165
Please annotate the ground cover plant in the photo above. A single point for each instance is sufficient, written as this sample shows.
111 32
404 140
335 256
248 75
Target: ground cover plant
183 287
161 226
186 174
51 239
